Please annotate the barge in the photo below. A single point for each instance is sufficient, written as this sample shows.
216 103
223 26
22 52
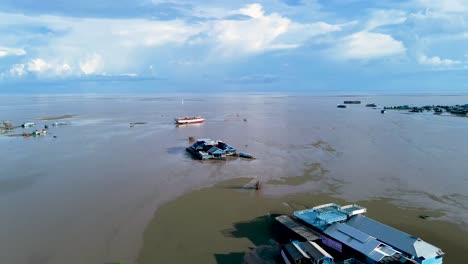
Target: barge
346 234
189 120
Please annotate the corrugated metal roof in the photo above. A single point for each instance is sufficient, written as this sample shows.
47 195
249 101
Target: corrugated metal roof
215 150
354 233
394 237
315 251
293 252
347 237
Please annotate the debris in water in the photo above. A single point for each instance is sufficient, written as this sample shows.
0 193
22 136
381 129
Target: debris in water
424 217
191 139
258 185
137 123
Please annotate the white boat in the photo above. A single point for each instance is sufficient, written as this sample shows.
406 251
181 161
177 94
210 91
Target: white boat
189 120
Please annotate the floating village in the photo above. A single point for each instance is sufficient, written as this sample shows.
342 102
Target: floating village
330 233
325 234
456 110
9 127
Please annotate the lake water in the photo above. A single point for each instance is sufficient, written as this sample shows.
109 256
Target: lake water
86 192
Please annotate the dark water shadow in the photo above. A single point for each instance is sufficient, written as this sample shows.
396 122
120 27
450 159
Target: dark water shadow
176 151
17 184
258 230
230 258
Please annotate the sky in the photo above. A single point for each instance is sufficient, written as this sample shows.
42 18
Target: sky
215 46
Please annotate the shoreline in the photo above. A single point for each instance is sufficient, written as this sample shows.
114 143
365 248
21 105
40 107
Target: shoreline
241 223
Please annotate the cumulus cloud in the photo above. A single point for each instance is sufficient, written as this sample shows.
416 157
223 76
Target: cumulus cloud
91 64
263 32
368 45
38 65
436 61
18 70
123 44
5 51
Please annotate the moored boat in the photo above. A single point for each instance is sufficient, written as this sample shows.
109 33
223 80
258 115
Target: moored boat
246 155
189 120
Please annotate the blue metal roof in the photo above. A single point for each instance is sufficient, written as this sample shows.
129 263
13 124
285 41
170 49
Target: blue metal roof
359 241
321 217
215 150
347 236
394 237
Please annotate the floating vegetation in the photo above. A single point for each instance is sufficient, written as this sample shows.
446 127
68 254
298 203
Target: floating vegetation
48 118
323 146
315 171
137 123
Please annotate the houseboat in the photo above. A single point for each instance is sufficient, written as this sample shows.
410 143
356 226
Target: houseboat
205 149
345 233
189 120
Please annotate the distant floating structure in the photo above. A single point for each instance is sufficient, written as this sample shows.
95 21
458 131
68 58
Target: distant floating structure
205 149
7 125
341 106
28 124
371 105
352 102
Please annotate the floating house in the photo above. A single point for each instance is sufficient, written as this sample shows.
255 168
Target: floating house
204 149
7 125
346 230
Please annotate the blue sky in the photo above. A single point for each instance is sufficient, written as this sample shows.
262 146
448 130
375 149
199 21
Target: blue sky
271 45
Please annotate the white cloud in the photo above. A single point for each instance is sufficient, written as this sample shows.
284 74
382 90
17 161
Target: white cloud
436 61
38 65
380 18
368 45
252 10
262 32
124 45
5 51
91 64
18 70
455 6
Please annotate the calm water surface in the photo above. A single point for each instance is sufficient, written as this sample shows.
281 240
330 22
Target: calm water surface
86 195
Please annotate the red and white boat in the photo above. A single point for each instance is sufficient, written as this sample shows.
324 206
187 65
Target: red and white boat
189 120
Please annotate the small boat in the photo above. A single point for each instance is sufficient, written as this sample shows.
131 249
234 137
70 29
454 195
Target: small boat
383 111
371 105
59 123
189 120
246 155
28 124
341 106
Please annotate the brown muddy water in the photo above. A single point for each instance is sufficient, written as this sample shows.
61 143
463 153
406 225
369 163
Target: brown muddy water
233 223
100 190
